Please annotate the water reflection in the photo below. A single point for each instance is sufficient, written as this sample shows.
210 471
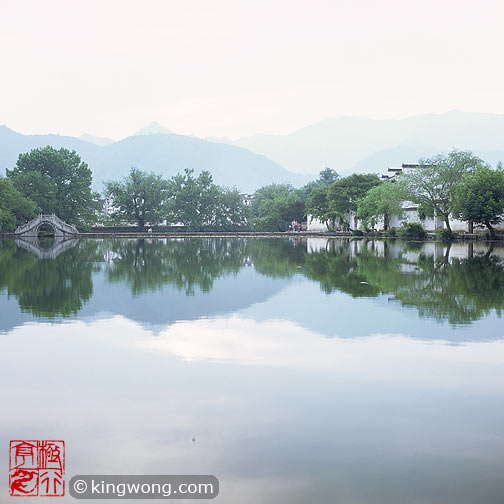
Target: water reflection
459 284
48 288
225 341
149 265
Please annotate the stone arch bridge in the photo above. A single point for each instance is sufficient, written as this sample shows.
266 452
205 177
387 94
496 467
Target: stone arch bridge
61 228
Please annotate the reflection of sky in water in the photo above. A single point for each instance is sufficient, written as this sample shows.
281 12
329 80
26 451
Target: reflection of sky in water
292 395
279 413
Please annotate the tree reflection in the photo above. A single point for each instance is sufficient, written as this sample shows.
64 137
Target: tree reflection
424 277
147 265
460 290
48 288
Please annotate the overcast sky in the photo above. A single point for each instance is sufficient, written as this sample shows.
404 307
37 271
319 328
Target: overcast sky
235 68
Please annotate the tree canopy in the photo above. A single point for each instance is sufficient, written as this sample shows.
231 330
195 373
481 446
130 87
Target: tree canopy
480 197
193 199
343 196
381 202
275 207
434 183
57 182
140 197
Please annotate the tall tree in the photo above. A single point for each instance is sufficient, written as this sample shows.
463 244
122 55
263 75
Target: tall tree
57 182
140 197
381 202
435 182
480 197
231 213
275 207
343 196
194 200
326 177
316 196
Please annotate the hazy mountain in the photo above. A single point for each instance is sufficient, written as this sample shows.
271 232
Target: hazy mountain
346 142
101 141
166 154
12 144
153 128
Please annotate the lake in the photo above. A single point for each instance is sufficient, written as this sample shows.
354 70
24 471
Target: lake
294 370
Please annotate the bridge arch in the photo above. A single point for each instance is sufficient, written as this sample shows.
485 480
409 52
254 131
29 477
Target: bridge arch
61 228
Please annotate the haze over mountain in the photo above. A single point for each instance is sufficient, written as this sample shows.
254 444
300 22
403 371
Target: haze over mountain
101 141
349 144
163 153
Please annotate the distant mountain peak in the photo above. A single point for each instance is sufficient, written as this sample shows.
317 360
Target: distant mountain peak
152 129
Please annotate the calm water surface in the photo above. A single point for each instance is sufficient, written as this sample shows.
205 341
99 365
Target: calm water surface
306 371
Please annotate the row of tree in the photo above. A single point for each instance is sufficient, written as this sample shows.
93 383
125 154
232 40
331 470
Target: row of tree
196 202
457 185
47 180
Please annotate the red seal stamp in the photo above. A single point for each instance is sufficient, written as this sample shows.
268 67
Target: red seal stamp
36 468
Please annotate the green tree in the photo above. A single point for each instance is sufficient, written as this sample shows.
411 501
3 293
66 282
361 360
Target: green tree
194 200
380 202
314 195
317 205
480 197
343 196
435 182
15 209
140 197
231 213
57 182
275 207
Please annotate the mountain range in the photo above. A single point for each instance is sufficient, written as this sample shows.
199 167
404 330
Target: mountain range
346 144
161 152
357 144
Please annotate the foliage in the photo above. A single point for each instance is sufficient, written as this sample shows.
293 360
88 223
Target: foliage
15 209
357 232
317 205
435 182
200 204
412 231
480 197
326 177
343 196
140 198
444 235
314 195
57 182
275 207
380 202
230 212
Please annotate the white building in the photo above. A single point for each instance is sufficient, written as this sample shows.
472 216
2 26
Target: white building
410 212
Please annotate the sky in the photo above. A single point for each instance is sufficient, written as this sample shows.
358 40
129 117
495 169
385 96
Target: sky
229 68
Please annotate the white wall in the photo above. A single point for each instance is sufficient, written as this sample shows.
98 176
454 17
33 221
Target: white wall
313 224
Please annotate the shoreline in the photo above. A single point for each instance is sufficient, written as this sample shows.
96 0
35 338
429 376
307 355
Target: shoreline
464 237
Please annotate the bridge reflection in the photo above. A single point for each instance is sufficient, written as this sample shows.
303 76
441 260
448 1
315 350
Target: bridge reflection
33 245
